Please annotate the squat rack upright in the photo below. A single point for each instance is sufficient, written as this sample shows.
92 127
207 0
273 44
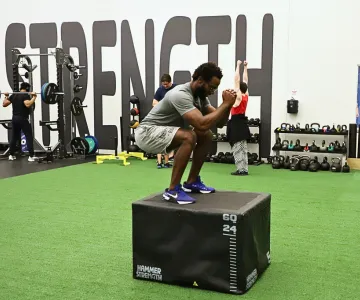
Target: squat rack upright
61 59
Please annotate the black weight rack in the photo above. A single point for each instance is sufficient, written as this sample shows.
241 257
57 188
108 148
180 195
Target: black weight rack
313 132
23 61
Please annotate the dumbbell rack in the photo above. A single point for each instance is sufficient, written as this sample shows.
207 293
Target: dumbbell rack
317 133
224 140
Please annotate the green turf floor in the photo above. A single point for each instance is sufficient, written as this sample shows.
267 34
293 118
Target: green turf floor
66 233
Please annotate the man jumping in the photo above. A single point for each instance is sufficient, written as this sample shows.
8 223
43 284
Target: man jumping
163 129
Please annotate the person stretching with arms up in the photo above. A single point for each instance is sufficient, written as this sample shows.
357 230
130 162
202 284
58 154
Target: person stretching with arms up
163 130
238 131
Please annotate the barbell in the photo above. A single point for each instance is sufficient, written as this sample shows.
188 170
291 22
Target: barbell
49 93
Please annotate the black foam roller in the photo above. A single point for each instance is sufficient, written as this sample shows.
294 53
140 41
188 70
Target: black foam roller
352 141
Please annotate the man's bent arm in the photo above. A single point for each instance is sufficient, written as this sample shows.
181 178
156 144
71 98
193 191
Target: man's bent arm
6 102
202 123
223 121
28 103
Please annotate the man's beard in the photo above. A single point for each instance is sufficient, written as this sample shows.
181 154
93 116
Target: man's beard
201 93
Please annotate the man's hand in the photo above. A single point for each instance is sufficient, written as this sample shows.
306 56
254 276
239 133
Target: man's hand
229 97
245 63
6 95
33 94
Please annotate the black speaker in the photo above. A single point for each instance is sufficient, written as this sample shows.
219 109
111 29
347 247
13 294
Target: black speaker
292 106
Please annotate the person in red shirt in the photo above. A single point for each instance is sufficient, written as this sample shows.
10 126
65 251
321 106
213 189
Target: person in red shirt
238 131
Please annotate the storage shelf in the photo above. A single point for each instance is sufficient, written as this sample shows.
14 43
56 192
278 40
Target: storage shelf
309 152
215 141
345 133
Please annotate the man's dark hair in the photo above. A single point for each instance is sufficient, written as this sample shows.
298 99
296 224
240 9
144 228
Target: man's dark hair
243 87
207 71
25 86
166 78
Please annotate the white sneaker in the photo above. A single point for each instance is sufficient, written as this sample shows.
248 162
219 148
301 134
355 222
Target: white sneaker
31 159
12 157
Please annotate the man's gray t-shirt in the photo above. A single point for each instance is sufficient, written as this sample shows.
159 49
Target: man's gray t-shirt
176 103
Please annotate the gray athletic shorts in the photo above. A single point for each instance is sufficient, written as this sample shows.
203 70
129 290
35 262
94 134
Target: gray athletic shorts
154 139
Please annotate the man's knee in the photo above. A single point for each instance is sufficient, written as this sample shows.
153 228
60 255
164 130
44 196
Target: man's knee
205 136
190 137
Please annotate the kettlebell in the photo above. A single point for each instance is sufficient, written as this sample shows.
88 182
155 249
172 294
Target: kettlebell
336 164
220 157
333 129
344 129
282 159
331 147
276 164
306 148
315 127
338 128
298 128
326 128
228 156
314 165
294 165
250 158
343 148
313 147
297 146
285 144
277 145
284 126
287 162
223 159
323 146
307 127
325 166
215 159
291 145
346 168
304 163
337 147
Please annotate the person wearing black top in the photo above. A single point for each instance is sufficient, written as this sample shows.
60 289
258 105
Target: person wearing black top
20 120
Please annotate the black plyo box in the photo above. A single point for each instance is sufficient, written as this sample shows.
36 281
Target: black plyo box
220 243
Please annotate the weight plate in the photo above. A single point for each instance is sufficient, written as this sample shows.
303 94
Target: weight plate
50 96
76 106
43 91
93 144
80 146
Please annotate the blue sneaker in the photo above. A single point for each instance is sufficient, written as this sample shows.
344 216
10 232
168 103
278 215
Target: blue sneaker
178 195
198 187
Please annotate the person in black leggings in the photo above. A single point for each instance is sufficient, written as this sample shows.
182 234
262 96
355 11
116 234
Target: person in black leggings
20 120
